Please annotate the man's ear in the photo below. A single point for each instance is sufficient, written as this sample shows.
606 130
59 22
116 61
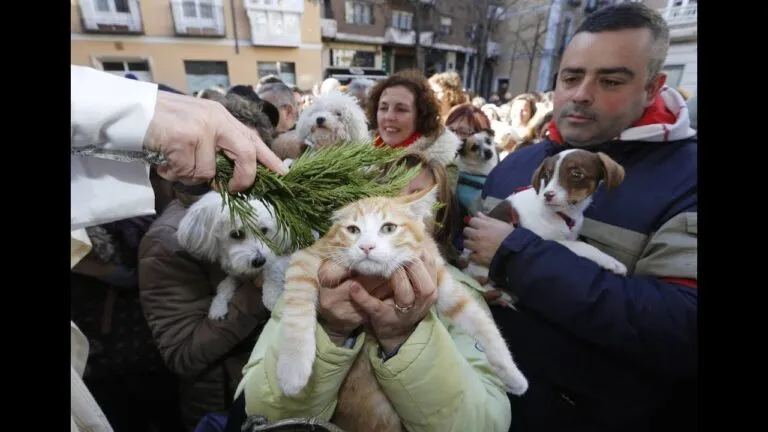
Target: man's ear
653 88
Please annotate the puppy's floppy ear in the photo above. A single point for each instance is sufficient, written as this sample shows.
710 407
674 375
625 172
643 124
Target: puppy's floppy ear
538 175
197 229
613 173
504 212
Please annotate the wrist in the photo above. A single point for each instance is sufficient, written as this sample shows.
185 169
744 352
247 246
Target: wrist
338 337
391 344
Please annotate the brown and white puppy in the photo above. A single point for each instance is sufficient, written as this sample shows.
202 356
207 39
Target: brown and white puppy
553 206
477 154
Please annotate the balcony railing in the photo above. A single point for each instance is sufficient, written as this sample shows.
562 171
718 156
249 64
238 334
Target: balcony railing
681 15
111 16
328 28
198 18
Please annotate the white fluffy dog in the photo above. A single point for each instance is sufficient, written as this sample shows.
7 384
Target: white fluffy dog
332 119
206 232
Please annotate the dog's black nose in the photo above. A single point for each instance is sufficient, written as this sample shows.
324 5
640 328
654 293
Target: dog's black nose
320 121
488 154
549 195
258 262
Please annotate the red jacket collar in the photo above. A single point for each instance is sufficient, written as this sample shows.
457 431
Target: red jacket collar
378 142
657 113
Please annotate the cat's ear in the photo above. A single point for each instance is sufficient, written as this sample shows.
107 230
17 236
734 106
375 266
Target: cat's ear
422 203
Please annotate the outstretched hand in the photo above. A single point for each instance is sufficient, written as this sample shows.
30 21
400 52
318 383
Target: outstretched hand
189 132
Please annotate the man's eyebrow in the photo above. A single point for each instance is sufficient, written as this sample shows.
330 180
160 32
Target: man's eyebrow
603 71
573 70
616 70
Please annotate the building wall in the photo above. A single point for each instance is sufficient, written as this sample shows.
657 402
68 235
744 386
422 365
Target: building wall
517 57
684 56
513 42
166 52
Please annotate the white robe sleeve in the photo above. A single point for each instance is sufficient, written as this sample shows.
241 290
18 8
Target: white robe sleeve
113 113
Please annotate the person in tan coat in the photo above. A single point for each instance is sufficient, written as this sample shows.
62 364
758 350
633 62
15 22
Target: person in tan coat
176 291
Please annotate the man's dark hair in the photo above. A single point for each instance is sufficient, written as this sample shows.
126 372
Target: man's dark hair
625 16
270 79
278 93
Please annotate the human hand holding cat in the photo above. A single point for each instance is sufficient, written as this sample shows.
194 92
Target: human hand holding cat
336 313
415 291
483 236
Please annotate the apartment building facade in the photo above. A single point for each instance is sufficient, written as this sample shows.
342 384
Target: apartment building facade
534 35
681 66
380 35
193 44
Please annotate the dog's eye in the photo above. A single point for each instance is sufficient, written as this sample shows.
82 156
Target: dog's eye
578 175
353 229
264 230
237 234
388 228
338 114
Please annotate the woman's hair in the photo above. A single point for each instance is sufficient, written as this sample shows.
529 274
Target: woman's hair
476 117
451 84
531 98
446 221
427 107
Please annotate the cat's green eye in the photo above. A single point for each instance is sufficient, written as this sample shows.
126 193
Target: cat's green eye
353 229
388 228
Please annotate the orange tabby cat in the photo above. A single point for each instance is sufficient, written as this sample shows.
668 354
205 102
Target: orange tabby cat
395 228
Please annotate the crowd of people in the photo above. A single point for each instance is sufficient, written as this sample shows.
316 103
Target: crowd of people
602 352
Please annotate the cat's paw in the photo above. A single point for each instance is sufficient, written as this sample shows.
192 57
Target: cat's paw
218 310
513 379
293 371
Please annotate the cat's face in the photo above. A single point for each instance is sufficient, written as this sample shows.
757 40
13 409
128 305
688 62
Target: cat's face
376 236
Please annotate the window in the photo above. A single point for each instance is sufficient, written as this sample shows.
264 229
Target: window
285 70
674 74
353 58
275 22
326 11
402 20
204 74
445 25
198 9
123 66
358 12
112 6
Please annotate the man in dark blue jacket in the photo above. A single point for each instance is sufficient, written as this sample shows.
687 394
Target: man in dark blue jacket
604 352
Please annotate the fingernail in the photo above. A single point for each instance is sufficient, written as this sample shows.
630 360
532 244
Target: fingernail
467 219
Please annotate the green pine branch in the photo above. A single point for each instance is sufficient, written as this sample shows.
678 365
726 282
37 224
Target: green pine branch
318 183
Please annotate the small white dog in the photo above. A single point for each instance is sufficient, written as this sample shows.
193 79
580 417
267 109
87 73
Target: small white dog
332 119
207 233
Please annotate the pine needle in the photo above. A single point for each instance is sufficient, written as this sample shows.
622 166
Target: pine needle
318 183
